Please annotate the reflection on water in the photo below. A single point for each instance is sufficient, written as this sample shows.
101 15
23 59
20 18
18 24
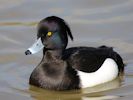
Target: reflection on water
93 23
84 94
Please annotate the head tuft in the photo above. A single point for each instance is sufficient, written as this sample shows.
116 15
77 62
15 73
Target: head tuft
63 25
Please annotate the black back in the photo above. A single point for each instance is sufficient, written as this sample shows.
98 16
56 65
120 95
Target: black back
89 59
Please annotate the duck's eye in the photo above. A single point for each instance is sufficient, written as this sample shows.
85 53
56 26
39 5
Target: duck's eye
49 34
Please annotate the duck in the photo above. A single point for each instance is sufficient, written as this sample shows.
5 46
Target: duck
63 68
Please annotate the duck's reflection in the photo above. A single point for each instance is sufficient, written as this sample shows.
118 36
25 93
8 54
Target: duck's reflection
94 93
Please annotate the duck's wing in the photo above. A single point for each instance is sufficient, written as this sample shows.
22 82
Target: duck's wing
89 59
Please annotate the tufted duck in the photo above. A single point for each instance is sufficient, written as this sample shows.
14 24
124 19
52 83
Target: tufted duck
72 68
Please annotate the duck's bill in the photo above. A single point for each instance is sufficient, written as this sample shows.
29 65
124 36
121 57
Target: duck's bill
36 47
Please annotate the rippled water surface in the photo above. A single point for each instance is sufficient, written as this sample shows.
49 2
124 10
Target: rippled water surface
93 23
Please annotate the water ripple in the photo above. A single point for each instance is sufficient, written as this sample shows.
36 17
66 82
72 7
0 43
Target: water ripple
18 23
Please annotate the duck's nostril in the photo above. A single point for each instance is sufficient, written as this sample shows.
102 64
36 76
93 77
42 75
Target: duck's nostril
27 52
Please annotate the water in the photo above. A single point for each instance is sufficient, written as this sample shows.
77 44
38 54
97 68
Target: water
93 23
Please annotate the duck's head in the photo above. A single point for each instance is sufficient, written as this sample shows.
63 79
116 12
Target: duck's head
52 34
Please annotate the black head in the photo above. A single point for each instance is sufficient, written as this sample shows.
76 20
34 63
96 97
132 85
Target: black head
54 32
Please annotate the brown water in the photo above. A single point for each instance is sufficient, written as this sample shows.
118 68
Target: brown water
93 23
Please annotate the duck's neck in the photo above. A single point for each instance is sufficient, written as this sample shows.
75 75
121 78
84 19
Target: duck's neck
52 55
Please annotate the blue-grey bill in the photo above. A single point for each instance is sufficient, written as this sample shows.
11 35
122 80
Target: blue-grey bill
36 47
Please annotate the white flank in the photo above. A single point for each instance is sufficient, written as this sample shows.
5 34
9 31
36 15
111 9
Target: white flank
107 72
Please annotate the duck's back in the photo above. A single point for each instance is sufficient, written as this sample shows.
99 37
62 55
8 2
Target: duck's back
89 59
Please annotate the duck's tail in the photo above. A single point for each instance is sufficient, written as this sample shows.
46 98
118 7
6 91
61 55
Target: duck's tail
118 59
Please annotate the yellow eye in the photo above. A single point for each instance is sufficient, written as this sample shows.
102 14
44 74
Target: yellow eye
49 34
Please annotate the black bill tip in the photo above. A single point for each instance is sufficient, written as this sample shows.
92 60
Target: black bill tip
27 52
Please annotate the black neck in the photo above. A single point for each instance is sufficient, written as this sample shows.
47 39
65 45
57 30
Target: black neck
52 54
